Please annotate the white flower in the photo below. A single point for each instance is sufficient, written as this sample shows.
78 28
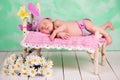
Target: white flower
24 69
32 72
12 73
6 62
19 60
18 66
29 62
49 64
12 58
48 72
12 67
41 71
45 66
5 71
35 60
42 60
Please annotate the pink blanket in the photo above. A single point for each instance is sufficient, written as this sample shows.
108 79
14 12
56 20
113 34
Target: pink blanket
40 40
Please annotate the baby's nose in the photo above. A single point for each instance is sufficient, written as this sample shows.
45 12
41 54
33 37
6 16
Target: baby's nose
46 27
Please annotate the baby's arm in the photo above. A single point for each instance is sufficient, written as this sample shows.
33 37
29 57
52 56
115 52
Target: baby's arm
56 31
63 35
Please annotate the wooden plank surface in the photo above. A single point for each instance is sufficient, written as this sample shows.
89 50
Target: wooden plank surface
72 65
105 72
86 66
57 67
113 61
71 71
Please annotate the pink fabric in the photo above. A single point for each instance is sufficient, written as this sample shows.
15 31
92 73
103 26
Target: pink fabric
33 9
37 39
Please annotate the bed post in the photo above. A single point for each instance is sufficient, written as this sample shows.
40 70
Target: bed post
96 54
38 8
103 54
24 24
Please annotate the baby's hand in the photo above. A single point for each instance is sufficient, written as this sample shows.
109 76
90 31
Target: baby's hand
52 37
63 35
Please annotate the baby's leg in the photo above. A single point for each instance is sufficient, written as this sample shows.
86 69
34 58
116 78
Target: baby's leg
93 28
108 25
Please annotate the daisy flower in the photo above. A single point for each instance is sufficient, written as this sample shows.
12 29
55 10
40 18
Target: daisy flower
6 62
49 63
42 60
45 66
22 13
35 60
48 73
40 71
12 73
32 72
18 66
12 67
24 68
5 71
19 60
12 58
29 62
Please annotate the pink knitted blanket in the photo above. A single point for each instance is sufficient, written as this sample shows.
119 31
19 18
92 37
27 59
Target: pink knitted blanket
40 40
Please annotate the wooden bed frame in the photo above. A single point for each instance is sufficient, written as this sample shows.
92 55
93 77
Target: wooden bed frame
94 57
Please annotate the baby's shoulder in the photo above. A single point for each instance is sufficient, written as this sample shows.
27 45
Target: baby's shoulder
58 22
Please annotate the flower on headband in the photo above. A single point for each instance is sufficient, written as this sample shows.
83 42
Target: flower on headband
22 13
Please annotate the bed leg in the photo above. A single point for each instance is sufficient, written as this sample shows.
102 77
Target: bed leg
24 52
91 56
38 51
103 53
96 61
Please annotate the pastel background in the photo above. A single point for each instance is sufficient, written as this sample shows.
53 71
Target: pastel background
99 11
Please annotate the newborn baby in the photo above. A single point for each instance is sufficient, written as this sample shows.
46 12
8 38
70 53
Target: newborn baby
65 29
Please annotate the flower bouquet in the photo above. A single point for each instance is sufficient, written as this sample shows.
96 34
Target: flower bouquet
31 66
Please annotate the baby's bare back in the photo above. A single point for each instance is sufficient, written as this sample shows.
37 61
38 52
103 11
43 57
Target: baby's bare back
71 28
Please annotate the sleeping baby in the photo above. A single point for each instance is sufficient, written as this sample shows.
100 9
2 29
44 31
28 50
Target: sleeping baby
65 29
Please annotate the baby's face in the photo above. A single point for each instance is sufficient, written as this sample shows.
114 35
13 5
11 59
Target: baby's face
46 26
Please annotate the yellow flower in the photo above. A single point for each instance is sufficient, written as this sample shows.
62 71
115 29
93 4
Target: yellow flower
22 13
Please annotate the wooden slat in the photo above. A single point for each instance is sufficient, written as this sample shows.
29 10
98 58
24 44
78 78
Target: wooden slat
57 67
105 72
86 66
113 61
71 71
2 57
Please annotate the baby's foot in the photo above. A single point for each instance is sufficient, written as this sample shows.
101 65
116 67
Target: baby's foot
110 25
